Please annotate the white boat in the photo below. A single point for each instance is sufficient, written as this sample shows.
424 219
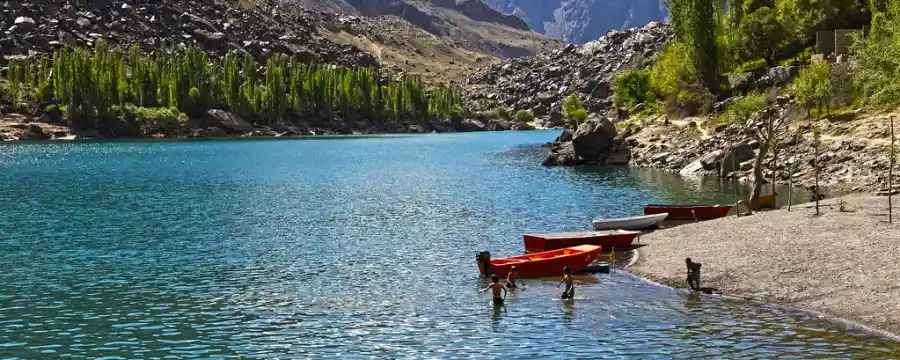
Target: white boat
631 223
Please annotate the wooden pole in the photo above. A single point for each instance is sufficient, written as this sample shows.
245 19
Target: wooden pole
790 186
893 154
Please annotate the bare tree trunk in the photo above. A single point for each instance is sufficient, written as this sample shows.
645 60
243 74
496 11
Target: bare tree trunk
816 168
758 179
774 167
790 186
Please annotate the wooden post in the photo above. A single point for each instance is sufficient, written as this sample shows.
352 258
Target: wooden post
893 154
790 186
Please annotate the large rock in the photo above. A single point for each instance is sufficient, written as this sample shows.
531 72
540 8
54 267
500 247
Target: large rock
593 142
228 122
594 138
733 156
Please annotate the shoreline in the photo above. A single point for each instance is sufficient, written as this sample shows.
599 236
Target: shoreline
863 308
738 297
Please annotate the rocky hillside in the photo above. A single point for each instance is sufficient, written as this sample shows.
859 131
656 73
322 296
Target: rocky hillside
470 24
580 21
216 25
541 82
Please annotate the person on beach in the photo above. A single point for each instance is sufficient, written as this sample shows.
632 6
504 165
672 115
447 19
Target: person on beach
512 278
497 287
693 274
569 292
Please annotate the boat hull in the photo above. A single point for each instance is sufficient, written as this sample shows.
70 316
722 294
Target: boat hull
547 263
608 240
689 212
632 223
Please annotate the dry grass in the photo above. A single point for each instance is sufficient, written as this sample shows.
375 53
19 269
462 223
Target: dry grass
844 264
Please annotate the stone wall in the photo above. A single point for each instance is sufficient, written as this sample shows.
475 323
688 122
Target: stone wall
832 44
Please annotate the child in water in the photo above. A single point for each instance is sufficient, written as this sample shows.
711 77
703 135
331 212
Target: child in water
497 287
569 292
512 277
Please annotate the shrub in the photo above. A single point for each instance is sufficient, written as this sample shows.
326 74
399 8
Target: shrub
524 116
151 120
672 70
579 116
742 108
632 87
571 105
693 99
502 113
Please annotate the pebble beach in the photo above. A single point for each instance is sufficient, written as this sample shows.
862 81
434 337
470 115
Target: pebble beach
843 264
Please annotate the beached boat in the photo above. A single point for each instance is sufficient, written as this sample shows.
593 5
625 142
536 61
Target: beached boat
765 202
689 212
608 240
631 223
548 263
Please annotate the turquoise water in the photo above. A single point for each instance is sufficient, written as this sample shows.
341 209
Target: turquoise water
358 248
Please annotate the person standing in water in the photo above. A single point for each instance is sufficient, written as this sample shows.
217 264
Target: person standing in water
497 287
693 274
512 278
569 292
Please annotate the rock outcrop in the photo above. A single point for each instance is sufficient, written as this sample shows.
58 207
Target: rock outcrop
595 141
541 82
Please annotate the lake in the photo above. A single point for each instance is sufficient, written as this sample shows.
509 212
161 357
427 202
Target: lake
350 247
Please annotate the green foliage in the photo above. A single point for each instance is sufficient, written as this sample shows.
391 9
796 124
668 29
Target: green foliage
690 100
632 87
762 34
673 70
524 116
579 116
878 60
573 108
89 84
803 17
154 120
812 87
742 108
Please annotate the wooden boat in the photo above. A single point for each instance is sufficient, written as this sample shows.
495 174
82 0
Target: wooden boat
765 202
548 263
608 240
689 212
631 223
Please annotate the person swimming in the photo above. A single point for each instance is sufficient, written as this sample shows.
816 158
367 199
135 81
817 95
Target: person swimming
512 277
569 292
497 287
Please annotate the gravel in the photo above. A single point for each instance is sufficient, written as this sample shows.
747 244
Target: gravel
842 264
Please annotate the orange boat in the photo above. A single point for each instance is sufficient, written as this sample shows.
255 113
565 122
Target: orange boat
548 263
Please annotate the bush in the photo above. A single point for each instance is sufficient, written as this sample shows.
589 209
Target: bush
579 116
502 113
632 87
742 108
150 120
524 116
689 100
672 71
571 105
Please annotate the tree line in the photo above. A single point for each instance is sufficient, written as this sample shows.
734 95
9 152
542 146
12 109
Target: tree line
90 87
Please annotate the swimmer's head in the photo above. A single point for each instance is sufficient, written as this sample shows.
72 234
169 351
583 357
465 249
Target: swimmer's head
566 270
495 278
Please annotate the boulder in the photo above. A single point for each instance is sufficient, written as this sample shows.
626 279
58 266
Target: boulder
230 123
35 132
593 139
733 156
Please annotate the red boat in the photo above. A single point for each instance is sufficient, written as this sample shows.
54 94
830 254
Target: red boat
689 212
609 240
548 263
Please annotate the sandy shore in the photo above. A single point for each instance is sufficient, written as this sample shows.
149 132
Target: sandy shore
841 264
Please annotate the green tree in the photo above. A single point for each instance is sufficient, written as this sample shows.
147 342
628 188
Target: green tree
762 35
525 116
812 87
694 24
878 59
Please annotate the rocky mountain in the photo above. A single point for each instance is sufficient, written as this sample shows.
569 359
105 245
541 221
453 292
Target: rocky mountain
470 24
40 26
540 83
580 21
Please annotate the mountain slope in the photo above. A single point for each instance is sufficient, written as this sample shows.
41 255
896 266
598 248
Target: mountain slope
580 21
470 24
